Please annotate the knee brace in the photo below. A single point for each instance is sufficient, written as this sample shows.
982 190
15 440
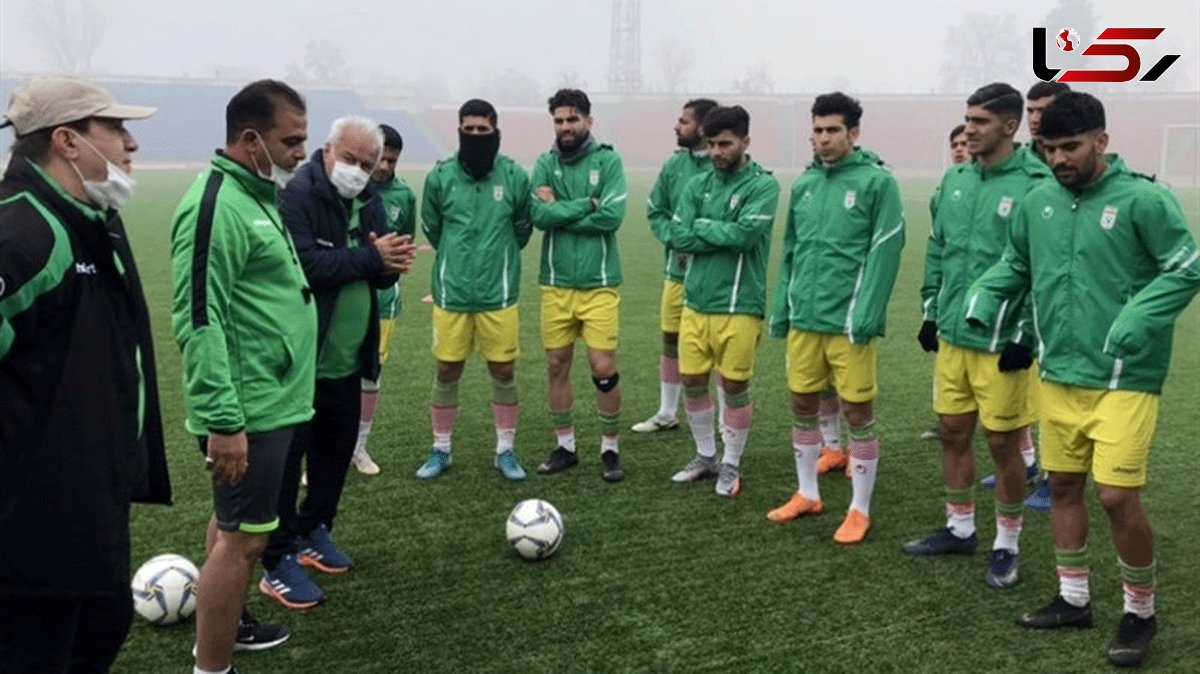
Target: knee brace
607 383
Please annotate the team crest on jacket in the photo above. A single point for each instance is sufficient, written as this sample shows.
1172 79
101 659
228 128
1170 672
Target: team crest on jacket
1047 212
394 213
733 201
498 192
1005 207
594 177
956 195
807 196
851 198
1109 217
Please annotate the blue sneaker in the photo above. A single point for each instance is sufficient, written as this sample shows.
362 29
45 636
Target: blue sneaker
509 466
1002 572
290 586
319 552
1039 498
435 464
941 542
1032 473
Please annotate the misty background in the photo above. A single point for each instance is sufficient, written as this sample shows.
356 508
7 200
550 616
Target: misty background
410 63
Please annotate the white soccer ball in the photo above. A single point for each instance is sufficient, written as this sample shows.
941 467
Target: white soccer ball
164 589
535 529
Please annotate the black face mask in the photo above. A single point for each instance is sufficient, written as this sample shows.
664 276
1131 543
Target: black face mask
477 153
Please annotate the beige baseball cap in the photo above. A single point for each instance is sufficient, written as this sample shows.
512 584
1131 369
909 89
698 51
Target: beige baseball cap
47 102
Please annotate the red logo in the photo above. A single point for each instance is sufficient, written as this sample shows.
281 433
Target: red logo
1068 40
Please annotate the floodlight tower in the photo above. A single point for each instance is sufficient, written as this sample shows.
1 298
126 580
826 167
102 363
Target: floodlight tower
625 47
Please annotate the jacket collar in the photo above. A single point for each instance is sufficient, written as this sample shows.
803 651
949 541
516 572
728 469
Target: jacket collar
258 186
30 177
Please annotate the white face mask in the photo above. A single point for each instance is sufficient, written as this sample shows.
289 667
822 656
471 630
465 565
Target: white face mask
348 179
112 192
279 175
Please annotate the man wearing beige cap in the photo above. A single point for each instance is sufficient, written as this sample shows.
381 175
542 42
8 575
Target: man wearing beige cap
80 433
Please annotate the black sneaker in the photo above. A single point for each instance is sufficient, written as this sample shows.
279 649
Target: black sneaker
560 459
941 542
1057 613
255 636
612 467
1132 643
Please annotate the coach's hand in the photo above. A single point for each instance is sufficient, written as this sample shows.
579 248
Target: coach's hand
395 252
928 336
408 250
1015 357
228 457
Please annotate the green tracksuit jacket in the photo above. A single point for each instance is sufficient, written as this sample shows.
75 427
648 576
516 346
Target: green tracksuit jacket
972 211
478 228
579 244
400 205
845 231
1108 269
243 314
723 223
664 200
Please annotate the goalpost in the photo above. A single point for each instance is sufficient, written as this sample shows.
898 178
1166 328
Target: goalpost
1179 164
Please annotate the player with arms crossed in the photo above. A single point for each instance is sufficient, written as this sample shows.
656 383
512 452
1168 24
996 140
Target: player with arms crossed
579 202
690 159
723 224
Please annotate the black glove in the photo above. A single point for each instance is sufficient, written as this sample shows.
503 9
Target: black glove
928 336
1015 357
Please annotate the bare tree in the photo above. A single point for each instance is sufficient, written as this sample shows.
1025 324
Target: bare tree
982 48
69 31
756 80
677 59
324 63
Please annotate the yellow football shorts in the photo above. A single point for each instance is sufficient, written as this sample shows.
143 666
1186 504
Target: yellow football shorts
1105 432
967 380
724 342
455 332
815 360
568 313
386 327
671 306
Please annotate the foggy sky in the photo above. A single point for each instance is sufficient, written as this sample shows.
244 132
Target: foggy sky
864 46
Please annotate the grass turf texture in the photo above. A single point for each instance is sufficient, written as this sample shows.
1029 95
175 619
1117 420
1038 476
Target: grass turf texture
654 576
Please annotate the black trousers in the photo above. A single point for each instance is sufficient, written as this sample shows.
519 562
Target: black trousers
328 443
54 636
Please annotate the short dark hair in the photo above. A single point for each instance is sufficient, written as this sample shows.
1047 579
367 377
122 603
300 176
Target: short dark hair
700 107
1044 89
837 103
999 98
956 131
35 145
392 139
570 98
1072 113
477 107
733 118
255 106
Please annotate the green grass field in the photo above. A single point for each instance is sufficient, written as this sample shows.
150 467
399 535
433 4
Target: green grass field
653 576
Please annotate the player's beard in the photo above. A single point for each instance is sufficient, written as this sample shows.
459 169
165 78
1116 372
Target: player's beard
477 152
692 143
570 148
